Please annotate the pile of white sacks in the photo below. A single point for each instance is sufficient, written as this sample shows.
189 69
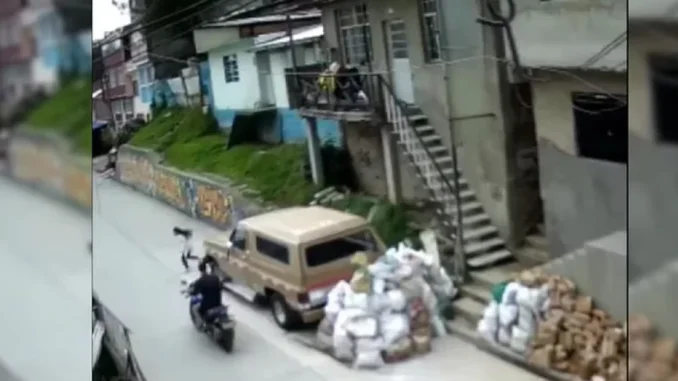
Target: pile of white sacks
388 312
513 321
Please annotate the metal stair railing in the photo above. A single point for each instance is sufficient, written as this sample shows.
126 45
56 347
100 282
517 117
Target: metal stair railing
424 161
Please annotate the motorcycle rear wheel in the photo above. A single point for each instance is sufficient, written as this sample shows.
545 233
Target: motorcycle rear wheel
226 340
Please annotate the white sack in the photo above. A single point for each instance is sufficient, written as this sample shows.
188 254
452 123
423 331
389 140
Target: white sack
343 345
519 339
509 296
368 360
504 335
378 303
359 301
362 326
397 300
411 287
526 320
371 344
487 330
394 327
429 298
491 312
508 314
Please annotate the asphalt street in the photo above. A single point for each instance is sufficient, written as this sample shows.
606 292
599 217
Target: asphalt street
137 273
45 288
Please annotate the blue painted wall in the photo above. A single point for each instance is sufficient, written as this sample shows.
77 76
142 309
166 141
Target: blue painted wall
58 51
293 129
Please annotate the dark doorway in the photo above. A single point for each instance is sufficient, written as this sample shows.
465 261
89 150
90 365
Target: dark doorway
601 126
664 82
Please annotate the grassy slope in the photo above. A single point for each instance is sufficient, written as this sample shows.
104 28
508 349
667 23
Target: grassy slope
192 141
68 112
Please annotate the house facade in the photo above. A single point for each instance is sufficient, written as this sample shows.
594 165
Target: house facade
141 70
575 61
245 63
118 84
653 143
16 53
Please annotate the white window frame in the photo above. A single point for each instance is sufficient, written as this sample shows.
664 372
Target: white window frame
354 32
429 11
231 70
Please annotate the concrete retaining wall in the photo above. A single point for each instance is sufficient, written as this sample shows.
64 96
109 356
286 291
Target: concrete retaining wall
210 199
45 161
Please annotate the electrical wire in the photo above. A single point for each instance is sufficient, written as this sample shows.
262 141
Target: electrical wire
607 49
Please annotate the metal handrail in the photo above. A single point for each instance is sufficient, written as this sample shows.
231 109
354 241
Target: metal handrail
400 105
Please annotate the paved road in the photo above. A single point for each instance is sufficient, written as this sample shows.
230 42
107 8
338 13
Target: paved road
45 283
137 273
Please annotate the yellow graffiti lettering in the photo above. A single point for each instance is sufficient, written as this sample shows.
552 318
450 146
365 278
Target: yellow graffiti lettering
169 188
213 204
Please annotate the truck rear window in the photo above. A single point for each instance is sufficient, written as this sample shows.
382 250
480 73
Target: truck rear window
339 248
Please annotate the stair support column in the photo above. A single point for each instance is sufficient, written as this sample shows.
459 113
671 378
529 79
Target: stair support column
391 168
311 125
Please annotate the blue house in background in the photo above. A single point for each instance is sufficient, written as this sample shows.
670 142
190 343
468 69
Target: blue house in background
57 51
245 77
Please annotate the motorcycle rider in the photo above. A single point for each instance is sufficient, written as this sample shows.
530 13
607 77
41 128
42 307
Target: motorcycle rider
209 287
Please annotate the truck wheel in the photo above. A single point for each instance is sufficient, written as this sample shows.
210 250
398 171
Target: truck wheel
283 315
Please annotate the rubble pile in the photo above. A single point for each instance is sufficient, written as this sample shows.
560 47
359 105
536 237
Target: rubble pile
389 311
651 358
571 335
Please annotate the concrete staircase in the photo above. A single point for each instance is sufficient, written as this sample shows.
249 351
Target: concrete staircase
432 162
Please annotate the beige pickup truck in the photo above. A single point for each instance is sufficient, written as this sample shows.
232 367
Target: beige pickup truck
292 257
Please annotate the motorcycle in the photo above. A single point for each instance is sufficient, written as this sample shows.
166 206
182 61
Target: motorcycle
218 324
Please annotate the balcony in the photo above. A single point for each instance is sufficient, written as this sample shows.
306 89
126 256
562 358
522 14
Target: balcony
351 97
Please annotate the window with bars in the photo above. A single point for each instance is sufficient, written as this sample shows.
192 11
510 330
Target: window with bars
355 34
429 19
231 68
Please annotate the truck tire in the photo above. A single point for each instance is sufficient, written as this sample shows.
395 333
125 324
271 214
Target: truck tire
284 316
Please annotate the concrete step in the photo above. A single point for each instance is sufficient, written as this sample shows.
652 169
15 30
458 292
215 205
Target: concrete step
480 232
472 220
466 207
497 274
531 256
463 329
476 291
483 246
468 309
489 259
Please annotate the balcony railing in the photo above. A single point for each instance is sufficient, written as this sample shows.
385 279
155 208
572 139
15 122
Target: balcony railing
312 88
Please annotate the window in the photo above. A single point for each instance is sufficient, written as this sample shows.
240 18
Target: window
664 78
239 238
355 34
145 77
601 126
128 107
231 68
273 250
429 20
340 248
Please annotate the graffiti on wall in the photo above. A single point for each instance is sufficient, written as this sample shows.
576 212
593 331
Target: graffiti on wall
137 171
169 188
37 163
212 203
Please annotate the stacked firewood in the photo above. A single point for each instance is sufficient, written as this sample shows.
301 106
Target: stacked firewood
651 358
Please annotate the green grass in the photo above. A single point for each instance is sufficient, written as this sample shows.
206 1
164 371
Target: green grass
68 112
192 142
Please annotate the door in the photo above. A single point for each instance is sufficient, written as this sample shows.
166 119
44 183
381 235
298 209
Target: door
237 258
263 63
401 70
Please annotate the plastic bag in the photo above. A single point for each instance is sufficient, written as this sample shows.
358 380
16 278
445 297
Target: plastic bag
527 297
368 360
394 327
508 314
338 292
504 335
491 312
411 287
362 326
378 303
397 300
361 282
487 330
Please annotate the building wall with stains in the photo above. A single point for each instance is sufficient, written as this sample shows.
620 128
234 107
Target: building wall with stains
46 162
215 201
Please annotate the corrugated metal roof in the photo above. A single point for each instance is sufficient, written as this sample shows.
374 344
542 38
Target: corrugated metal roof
263 19
299 35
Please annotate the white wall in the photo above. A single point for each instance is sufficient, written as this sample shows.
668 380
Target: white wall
282 59
243 94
